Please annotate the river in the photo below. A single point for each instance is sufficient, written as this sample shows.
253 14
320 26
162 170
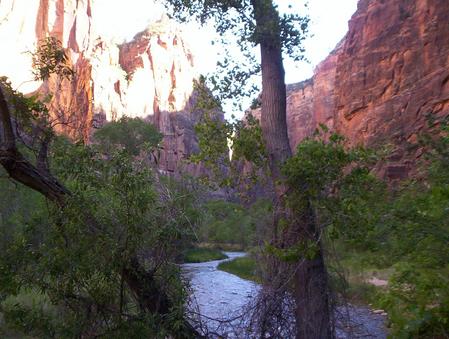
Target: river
220 296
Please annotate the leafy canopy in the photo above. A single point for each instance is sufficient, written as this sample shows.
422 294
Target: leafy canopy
50 58
131 134
235 22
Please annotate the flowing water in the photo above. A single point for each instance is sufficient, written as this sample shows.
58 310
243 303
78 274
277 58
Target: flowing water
220 297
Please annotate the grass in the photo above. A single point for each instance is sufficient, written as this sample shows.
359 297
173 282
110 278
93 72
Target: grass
243 267
358 268
222 246
197 255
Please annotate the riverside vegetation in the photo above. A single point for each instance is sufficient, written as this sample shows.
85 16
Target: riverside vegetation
94 252
404 232
396 233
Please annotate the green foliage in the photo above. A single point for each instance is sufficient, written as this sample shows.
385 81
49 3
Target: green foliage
50 58
206 101
248 143
72 257
353 269
131 134
225 223
231 223
30 113
213 134
18 207
318 166
243 139
244 267
417 242
417 300
336 184
406 231
31 312
237 17
75 256
196 255
256 103
294 253
212 139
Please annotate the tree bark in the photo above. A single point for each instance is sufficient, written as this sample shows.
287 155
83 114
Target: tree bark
274 102
313 314
311 288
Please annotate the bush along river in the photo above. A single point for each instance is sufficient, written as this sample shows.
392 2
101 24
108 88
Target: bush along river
219 299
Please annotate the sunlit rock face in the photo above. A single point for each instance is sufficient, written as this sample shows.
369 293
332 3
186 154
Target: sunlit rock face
311 102
149 77
18 35
389 73
23 24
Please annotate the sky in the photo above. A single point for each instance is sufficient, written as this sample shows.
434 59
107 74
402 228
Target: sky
329 24
329 20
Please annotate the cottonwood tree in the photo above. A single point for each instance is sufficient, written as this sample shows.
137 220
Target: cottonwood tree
258 22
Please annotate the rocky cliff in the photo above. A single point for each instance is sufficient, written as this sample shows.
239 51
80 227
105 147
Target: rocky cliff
378 86
382 81
149 77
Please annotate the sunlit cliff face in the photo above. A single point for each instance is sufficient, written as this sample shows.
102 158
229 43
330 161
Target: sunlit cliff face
381 84
154 72
18 35
150 76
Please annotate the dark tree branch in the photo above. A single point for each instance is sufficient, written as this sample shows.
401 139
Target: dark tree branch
8 138
42 157
18 167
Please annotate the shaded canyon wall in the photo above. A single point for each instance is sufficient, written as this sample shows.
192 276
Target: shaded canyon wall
382 81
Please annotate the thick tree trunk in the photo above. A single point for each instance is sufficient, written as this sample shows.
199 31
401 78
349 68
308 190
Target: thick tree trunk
313 315
274 102
312 306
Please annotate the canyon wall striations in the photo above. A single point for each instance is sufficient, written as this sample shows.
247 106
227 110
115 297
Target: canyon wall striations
382 81
150 77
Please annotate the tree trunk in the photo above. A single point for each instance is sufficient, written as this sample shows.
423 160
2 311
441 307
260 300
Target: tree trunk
313 314
274 102
312 306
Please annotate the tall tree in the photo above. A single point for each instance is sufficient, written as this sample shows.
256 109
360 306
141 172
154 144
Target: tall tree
258 22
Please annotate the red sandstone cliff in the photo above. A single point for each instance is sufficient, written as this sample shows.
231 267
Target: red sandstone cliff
389 73
23 24
149 77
